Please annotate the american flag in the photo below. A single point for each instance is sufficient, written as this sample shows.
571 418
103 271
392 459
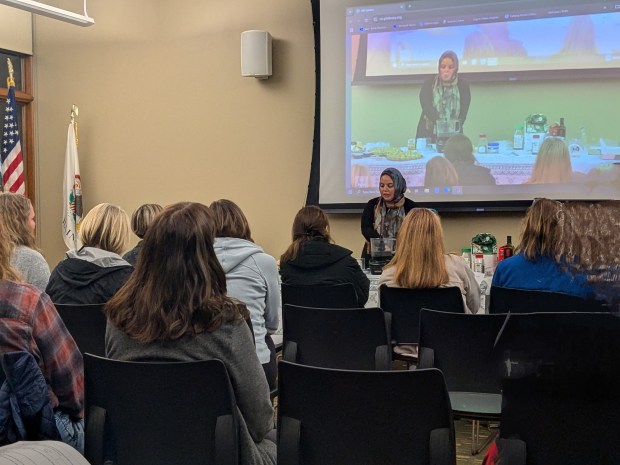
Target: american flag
12 163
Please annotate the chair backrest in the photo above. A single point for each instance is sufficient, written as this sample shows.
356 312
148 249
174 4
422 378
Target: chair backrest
159 413
344 417
86 323
504 300
351 338
561 385
461 346
320 296
405 306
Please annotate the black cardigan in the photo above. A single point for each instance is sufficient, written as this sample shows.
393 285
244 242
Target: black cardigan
368 220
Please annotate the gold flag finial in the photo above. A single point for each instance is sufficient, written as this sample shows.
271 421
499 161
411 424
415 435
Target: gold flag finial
74 115
10 80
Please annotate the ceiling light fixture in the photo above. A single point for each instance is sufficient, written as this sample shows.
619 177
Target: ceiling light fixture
39 8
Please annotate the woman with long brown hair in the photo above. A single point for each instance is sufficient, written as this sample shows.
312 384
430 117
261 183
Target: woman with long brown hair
538 263
174 307
420 260
17 214
313 258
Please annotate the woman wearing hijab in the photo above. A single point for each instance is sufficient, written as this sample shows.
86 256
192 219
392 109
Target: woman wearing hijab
445 97
383 215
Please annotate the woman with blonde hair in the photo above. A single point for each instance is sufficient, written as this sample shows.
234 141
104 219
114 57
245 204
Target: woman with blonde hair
538 265
94 273
313 258
17 215
175 308
552 164
251 277
420 260
140 221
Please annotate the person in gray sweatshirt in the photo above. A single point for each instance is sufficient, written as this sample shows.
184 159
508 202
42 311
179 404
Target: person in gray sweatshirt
251 277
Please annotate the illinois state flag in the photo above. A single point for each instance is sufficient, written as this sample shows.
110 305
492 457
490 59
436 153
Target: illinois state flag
11 155
72 193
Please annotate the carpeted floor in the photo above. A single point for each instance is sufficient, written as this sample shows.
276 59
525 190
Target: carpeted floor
463 443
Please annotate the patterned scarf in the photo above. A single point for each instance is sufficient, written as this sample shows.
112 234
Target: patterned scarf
390 215
447 99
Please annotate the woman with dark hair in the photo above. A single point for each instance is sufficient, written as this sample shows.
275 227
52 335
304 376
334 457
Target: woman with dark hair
140 221
383 215
251 277
313 258
174 307
538 265
459 150
445 97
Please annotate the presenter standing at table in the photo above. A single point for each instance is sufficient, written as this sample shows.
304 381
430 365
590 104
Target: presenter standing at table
445 97
383 215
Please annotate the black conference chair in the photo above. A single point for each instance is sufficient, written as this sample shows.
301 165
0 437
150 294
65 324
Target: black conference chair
560 389
342 417
320 296
405 306
159 413
504 300
351 338
461 346
86 323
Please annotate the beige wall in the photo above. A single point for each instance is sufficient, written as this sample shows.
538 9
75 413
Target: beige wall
165 115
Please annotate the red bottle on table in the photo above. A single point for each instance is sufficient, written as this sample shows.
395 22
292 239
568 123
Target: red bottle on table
506 250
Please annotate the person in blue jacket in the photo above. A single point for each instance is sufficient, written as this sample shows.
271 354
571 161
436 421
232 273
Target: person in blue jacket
537 266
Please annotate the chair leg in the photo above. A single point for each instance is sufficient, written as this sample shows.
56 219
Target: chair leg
476 447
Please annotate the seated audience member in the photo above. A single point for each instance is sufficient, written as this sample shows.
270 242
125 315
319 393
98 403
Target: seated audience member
552 164
460 152
440 172
313 258
420 260
94 273
17 215
140 221
536 265
589 245
251 277
174 307
30 324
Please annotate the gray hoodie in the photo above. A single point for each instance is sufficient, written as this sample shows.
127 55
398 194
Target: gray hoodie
252 277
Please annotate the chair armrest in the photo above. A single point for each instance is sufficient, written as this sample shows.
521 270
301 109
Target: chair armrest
511 451
441 449
95 435
226 441
289 435
289 351
426 358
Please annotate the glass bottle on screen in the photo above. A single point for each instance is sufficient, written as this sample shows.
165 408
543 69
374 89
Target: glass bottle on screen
535 143
482 143
517 143
561 129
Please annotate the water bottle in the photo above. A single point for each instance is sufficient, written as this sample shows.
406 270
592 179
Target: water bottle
483 296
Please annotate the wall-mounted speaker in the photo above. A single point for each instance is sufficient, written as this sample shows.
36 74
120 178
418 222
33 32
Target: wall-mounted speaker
256 54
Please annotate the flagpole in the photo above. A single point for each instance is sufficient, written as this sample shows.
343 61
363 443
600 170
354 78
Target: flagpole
74 114
10 80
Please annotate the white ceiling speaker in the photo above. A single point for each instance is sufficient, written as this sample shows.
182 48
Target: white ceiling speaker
256 54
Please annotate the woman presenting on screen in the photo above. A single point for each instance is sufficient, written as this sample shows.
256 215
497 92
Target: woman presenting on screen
383 215
445 97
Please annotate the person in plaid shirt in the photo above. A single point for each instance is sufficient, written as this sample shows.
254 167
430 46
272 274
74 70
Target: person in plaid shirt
29 322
